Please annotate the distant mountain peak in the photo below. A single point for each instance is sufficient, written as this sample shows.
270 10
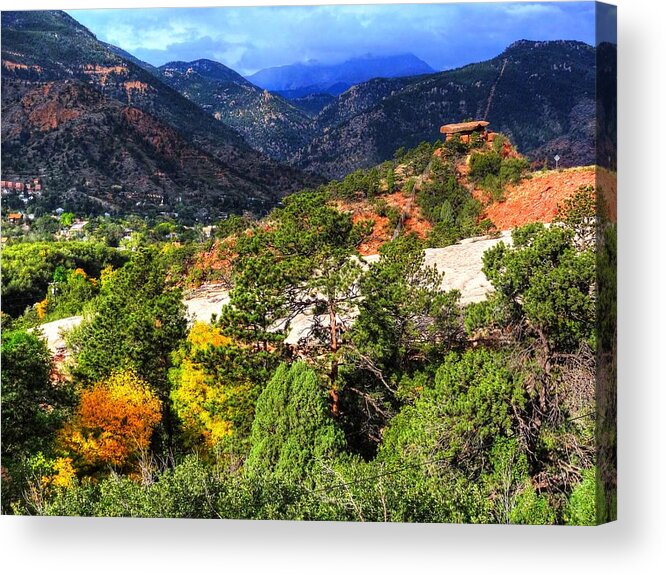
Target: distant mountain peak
310 77
208 69
132 141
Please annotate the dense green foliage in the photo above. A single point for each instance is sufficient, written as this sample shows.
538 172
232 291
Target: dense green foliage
30 403
405 316
32 408
137 323
448 205
492 171
29 268
292 430
394 403
482 165
581 509
546 280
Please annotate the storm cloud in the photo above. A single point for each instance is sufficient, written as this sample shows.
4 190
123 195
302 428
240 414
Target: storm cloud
248 39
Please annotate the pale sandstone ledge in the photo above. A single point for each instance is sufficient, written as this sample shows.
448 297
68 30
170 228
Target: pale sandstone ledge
461 264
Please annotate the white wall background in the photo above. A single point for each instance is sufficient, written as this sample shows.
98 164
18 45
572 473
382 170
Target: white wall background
634 544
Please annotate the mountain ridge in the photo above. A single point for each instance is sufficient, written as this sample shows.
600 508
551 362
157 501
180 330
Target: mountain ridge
56 70
267 122
302 79
539 93
543 100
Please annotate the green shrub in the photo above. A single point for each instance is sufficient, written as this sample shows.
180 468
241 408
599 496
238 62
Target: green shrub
512 170
393 215
380 207
484 164
498 142
455 146
492 172
494 185
581 509
292 429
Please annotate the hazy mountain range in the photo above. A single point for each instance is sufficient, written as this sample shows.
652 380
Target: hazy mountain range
111 131
543 99
303 79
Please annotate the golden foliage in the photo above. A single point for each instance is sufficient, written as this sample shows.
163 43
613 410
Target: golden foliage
61 473
41 308
64 472
79 272
205 407
113 422
200 404
203 334
106 275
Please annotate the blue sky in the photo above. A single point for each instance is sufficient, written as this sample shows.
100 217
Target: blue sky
248 39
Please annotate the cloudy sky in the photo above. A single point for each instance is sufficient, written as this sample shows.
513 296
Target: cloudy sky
248 39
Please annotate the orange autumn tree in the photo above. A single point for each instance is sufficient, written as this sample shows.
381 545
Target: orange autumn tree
113 422
208 408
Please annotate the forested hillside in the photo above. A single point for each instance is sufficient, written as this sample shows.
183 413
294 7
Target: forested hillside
542 98
105 134
541 94
268 122
399 403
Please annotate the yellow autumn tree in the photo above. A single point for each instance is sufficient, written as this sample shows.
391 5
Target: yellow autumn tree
62 473
42 308
113 422
206 407
203 334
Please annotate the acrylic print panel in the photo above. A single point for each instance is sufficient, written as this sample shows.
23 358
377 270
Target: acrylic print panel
351 263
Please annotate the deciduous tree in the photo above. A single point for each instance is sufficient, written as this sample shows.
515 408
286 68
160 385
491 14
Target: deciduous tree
113 423
137 323
211 410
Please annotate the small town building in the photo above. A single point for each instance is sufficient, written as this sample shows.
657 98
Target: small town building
76 229
34 185
15 218
466 129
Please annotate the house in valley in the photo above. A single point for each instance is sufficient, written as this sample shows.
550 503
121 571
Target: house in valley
15 218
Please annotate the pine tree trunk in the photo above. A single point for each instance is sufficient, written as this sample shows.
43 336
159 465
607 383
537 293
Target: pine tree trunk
333 375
